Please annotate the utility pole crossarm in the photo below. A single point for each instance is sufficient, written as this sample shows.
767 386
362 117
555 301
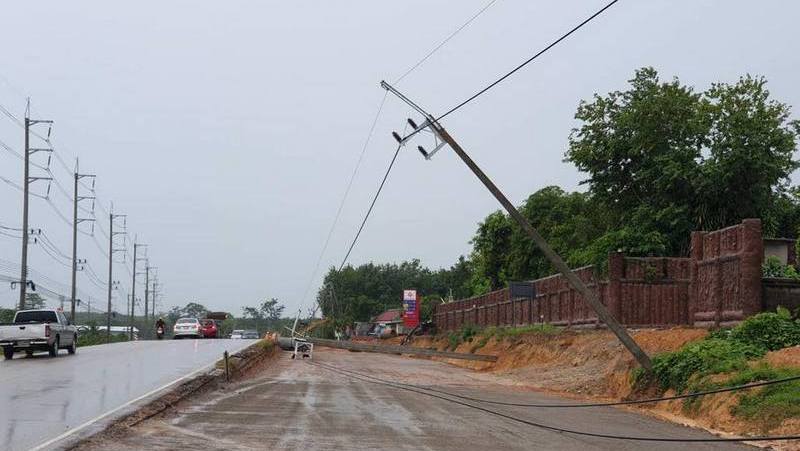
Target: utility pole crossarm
574 281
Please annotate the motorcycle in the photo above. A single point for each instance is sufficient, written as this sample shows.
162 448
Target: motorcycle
160 332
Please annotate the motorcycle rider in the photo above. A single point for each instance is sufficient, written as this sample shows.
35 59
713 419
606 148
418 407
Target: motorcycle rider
160 326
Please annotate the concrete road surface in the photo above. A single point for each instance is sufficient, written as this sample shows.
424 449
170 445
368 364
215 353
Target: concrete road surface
297 405
42 398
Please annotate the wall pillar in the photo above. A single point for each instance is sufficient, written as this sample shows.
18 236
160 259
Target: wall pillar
616 272
750 269
695 256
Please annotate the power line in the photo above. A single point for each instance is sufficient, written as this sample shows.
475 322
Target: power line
526 62
371 206
448 38
379 381
346 194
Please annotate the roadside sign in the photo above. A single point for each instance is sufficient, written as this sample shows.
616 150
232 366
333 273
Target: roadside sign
410 309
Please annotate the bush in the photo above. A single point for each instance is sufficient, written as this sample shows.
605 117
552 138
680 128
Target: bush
706 357
771 331
772 267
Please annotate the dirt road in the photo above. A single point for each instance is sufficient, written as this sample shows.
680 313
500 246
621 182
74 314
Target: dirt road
299 405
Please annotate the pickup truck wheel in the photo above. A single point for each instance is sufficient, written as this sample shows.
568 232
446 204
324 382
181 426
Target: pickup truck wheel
74 346
8 352
53 350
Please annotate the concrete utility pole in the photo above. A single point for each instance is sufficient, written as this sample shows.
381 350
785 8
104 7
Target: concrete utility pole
111 251
133 292
146 288
75 221
556 260
153 293
26 182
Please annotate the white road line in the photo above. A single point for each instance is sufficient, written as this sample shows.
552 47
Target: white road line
72 431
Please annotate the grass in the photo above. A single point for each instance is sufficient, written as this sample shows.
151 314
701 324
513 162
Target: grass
729 358
93 338
471 333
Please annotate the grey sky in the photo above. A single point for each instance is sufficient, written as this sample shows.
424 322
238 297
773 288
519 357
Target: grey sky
227 130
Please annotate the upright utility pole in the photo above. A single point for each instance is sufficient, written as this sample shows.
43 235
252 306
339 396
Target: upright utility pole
146 288
75 221
136 246
152 292
27 180
111 251
555 259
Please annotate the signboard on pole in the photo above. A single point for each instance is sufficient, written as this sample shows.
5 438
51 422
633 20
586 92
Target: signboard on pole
410 309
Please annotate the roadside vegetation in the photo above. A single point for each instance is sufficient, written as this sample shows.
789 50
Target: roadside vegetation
730 357
93 337
470 333
773 267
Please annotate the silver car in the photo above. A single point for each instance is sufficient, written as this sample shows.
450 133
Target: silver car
187 327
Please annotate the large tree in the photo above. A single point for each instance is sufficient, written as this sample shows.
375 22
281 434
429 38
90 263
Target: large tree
663 160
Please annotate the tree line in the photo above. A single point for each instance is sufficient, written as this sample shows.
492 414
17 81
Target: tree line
661 159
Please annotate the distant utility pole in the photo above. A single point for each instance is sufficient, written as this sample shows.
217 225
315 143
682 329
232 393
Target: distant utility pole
146 288
133 286
75 221
111 251
155 294
27 180
555 259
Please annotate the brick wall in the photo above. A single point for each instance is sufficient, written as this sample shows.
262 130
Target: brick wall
719 283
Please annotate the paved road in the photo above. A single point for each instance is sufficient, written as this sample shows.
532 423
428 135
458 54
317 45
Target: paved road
297 405
42 397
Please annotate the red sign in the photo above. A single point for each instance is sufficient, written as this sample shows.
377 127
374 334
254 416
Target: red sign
411 306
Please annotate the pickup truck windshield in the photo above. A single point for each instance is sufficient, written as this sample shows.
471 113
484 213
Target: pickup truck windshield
43 316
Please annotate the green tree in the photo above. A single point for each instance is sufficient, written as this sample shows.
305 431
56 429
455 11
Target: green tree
490 248
34 301
663 160
751 144
192 309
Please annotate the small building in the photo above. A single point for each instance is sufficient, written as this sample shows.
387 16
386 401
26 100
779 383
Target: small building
388 323
782 248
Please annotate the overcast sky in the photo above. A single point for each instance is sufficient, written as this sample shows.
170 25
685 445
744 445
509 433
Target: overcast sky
227 131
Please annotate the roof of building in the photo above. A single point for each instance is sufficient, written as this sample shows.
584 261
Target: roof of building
389 316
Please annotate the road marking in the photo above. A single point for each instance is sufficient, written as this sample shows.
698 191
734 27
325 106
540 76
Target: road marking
52 441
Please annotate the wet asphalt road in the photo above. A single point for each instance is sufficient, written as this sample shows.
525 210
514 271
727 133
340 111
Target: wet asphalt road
297 405
42 398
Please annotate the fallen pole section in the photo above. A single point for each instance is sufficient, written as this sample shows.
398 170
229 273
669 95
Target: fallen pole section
396 349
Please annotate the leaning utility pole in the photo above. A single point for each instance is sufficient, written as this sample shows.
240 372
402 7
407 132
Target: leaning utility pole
26 182
555 259
111 251
75 221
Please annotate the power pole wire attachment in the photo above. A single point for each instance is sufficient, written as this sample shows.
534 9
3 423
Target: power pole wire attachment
574 281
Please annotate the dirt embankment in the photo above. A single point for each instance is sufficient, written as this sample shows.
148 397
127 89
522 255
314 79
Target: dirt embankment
593 364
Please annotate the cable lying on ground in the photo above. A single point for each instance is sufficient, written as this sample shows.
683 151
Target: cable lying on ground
407 387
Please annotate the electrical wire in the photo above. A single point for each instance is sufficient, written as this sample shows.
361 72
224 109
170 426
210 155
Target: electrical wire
513 71
58 212
344 197
605 404
529 60
448 38
53 246
371 206
375 380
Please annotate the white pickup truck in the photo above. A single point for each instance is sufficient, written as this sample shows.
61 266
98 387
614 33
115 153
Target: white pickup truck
38 330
